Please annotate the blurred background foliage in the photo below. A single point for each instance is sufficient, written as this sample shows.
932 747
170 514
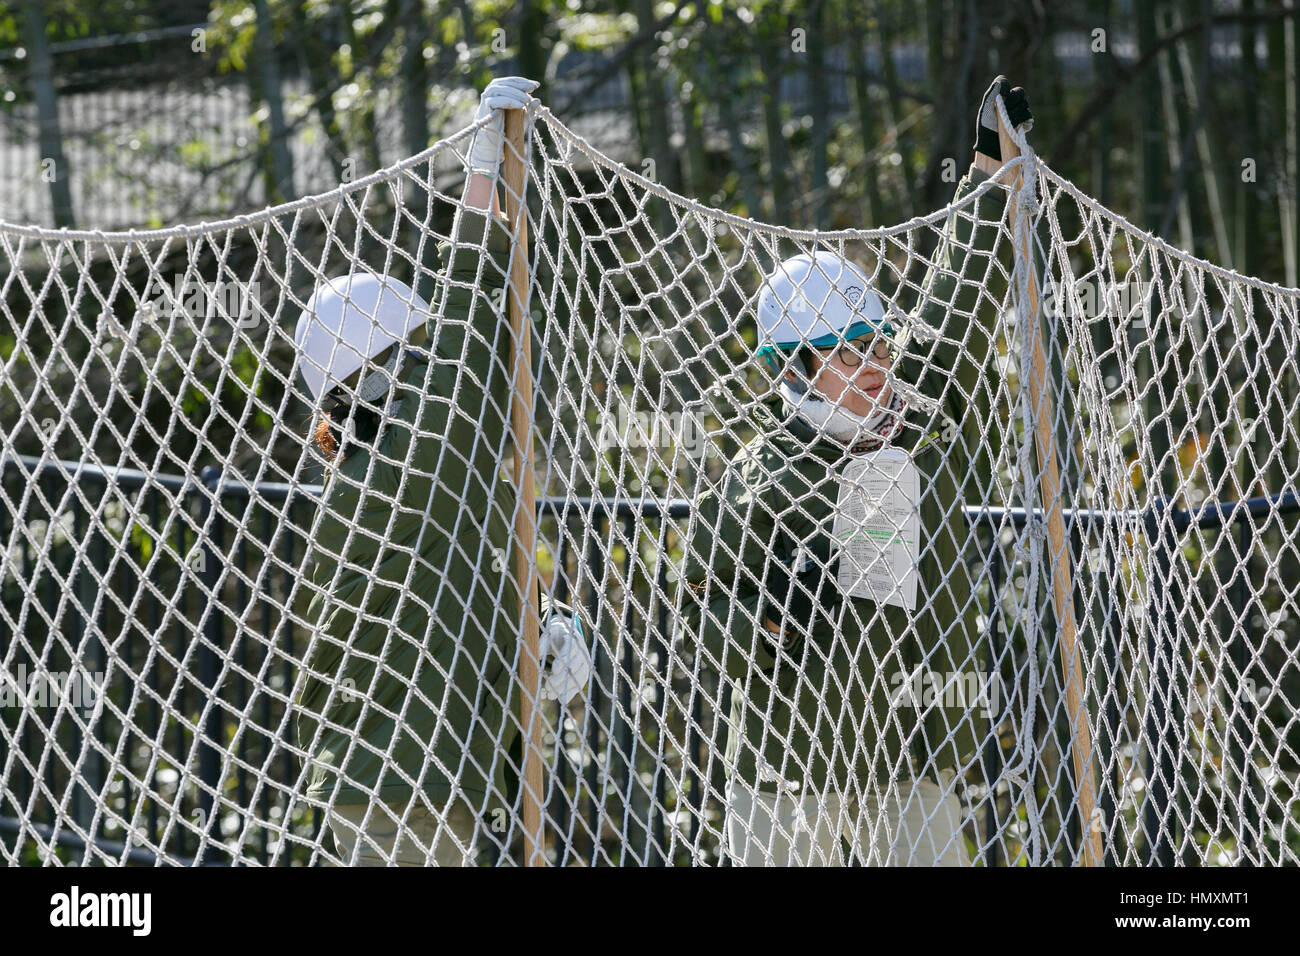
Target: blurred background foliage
1179 115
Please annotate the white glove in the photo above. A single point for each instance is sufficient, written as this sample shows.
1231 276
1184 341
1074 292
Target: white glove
570 665
503 93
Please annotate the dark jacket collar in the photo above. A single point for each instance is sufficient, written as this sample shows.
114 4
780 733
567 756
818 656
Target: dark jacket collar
790 430
793 434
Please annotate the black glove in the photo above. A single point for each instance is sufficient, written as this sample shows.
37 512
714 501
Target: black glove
809 589
986 122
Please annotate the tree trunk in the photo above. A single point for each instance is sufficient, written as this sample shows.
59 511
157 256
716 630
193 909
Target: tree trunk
1101 64
866 118
1281 63
936 68
819 92
1248 193
772 63
696 172
740 151
324 81
1291 226
894 105
279 184
1196 82
1153 206
1153 176
414 71
1177 158
47 110
655 144
366 108
414 75
950 141
532 54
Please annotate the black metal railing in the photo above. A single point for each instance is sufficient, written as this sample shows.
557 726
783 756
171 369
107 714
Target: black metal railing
1162 742
187 673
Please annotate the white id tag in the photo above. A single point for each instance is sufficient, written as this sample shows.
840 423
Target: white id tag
877 527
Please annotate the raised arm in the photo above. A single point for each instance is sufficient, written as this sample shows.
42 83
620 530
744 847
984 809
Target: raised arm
961 290
467 405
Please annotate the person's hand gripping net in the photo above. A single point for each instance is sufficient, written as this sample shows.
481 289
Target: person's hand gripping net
503 93
986 120
799 587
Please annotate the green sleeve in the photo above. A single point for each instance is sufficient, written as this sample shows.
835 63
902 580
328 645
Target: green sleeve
720 583
961 296
959 300
460 417
469 322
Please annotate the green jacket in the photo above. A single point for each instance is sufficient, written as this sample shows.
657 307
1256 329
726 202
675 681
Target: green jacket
830 717
419 664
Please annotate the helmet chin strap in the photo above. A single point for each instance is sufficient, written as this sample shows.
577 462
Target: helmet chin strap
379 381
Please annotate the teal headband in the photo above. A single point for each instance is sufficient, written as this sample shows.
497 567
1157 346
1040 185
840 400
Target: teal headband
824 341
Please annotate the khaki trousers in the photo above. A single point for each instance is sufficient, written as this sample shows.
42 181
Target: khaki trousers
920 826
383 840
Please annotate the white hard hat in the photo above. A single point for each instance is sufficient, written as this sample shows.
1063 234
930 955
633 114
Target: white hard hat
817 300
347 320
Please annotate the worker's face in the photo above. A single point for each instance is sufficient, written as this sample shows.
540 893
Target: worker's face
853 374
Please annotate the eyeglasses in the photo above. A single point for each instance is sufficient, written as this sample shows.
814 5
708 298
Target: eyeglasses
851 354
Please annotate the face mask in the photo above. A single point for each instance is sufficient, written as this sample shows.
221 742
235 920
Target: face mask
840 423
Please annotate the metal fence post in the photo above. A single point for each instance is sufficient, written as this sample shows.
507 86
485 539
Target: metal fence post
1246 705
1160 726
993 762
595 561
211 529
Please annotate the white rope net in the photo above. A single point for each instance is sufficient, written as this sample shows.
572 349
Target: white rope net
220 648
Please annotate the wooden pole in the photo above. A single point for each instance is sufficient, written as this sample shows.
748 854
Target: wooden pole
521 428
1062 582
